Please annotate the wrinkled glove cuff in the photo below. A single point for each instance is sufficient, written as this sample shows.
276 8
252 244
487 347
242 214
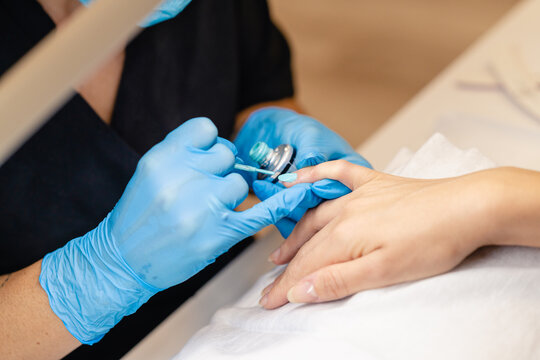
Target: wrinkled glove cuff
90 286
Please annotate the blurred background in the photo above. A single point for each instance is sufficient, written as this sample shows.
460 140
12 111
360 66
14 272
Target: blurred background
357 62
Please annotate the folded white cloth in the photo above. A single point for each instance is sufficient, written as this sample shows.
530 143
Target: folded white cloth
487 308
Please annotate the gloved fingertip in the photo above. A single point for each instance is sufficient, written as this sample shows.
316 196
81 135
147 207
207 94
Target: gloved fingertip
285 227
329 189
235 190
264 189
197 132
228 144
297 213
224 154
204 124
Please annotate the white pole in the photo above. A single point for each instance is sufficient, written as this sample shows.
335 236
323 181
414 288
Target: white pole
34 88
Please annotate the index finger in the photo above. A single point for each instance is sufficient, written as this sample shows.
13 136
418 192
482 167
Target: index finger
347 173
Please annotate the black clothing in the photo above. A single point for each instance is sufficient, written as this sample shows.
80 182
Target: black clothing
214 59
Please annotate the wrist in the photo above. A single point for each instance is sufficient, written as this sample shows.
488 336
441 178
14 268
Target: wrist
89 285
515 207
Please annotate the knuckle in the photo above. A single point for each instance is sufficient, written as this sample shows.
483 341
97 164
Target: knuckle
334 285
341 232
313 172
149 163
342 166
163 199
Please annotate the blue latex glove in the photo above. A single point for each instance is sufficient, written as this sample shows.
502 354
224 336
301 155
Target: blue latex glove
174 218
320 191
314 144
167 10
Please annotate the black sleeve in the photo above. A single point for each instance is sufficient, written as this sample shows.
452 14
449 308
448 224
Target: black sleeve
265 68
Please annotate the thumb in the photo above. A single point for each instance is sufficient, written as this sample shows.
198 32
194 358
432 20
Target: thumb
265 189
272 210
228 144
232 190
199 132
330 189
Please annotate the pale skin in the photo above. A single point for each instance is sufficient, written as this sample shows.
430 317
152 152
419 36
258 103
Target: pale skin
28 327
391 230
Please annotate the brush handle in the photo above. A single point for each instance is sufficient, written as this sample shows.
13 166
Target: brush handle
252 169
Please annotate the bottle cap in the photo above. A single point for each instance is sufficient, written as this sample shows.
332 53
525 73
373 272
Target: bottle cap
259 152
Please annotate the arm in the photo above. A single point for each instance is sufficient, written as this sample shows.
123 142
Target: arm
391 229
174 218
28 327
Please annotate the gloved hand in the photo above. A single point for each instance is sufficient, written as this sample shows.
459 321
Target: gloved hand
320 191
314 144
174 218
167 10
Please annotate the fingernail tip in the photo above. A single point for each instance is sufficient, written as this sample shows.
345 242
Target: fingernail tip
288 178
290 296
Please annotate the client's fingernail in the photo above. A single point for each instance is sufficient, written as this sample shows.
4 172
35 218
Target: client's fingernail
263 301
302 293
288 178
274 256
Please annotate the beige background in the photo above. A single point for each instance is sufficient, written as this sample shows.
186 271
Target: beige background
357 62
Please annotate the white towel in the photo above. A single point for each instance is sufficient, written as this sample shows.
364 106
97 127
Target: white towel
487 308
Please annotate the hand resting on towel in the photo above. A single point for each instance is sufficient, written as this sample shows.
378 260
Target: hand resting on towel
391 229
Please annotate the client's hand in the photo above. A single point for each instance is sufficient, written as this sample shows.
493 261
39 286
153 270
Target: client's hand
391 230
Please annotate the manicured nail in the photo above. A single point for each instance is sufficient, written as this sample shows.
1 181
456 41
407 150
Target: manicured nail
302 293
274 257
263 301
288 177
